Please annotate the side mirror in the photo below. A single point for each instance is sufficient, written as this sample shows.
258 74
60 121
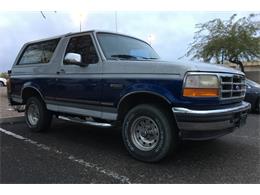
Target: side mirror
73 58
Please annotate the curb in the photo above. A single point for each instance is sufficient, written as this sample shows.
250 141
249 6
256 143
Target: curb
12 120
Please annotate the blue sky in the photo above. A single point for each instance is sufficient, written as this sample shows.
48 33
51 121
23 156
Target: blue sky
172 31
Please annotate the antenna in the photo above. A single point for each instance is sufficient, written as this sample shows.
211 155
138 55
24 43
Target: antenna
116 20
80 18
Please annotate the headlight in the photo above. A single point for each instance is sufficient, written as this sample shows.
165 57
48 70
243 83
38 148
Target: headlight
201 86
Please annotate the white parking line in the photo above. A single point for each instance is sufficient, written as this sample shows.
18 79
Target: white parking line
114 175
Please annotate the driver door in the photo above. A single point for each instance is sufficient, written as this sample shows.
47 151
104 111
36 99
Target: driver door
79 87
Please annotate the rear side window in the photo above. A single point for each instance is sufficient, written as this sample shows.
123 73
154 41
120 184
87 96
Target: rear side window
84 46
38 53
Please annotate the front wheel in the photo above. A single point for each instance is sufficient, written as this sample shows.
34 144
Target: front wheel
38 118
149 133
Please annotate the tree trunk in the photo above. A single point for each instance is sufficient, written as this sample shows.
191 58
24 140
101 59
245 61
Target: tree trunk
238 62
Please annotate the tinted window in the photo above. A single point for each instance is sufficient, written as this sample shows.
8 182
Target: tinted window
37 53
84 46
114 45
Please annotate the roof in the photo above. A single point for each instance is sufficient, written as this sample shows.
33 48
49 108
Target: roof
78 33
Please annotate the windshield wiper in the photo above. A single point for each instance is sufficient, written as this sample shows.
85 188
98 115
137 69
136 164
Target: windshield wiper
149 58
126 56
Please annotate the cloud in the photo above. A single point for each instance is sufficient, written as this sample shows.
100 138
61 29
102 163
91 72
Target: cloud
173 30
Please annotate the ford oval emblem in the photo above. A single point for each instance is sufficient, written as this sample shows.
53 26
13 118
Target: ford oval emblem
237 87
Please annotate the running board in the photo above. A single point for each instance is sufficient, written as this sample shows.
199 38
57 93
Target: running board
85 122
19 108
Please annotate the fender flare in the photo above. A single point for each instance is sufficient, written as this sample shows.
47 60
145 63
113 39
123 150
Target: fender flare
141 92
29 85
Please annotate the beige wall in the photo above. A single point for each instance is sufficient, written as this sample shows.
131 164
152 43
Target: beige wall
252 70
253 75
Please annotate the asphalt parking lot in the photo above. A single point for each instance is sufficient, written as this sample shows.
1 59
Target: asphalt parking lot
73 153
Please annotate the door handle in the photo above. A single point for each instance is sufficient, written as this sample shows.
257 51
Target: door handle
61 71
116 85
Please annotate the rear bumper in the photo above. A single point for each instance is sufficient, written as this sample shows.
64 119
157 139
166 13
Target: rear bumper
207 124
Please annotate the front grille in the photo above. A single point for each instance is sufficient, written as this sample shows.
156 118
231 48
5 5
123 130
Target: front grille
232 86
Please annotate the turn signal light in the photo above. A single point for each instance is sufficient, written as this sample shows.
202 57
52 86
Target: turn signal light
200 92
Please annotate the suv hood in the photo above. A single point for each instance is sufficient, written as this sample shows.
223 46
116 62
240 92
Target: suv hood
206 67
163 67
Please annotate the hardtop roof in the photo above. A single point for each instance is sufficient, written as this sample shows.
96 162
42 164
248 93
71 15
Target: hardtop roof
78 33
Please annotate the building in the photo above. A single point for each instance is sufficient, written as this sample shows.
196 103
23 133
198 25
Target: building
252 69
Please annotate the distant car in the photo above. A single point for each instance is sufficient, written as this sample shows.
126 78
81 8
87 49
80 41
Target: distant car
3 82
253 95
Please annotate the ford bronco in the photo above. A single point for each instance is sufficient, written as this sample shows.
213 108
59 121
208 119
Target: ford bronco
109 79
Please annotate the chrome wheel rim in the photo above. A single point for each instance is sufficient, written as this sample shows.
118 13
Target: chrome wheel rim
145 133
33 114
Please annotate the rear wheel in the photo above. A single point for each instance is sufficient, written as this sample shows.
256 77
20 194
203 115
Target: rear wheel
1 84
38 118
149 133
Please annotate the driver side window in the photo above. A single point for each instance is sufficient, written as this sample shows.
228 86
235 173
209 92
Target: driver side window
84 46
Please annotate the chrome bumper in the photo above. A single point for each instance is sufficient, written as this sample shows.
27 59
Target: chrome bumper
211 120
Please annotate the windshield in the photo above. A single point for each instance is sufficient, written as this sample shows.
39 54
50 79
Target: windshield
116 46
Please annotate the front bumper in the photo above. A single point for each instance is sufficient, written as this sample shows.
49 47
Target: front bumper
208 124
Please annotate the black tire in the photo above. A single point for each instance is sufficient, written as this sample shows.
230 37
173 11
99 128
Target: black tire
44 116
1 84
162 121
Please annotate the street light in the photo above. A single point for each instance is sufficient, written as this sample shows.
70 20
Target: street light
150 38
78 17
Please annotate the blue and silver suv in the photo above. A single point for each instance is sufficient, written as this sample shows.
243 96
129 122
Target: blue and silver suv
109 79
